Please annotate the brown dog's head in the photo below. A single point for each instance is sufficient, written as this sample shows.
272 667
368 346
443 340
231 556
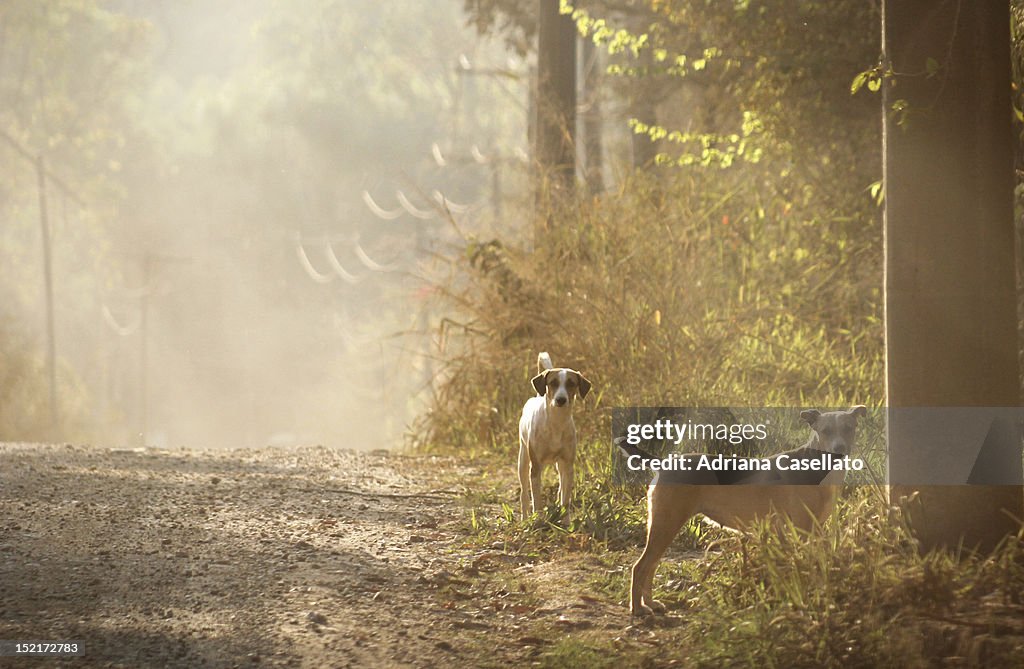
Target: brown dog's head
834 431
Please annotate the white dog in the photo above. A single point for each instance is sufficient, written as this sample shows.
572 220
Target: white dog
547 434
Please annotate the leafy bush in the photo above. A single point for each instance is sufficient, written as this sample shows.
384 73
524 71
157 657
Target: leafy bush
696 290
701 289
859 593
24 393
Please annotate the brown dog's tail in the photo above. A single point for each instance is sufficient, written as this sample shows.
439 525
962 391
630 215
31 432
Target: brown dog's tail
629 449
544 363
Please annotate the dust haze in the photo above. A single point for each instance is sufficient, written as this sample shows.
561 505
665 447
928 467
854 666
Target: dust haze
250 205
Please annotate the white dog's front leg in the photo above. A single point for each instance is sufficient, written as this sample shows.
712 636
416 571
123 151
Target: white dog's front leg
536 492
565 483
525 504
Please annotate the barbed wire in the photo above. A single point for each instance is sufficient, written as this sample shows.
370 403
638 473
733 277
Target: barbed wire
311 271
332 259
421 214
121 330
381 212
370 263
453 207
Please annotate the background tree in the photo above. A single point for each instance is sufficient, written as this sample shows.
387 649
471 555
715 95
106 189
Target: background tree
555 133
206 143
70 72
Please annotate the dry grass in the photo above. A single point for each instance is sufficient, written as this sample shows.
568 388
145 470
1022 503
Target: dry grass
702 291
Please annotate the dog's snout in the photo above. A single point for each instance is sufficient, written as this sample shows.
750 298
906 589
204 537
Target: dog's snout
560 401
835 432
840 447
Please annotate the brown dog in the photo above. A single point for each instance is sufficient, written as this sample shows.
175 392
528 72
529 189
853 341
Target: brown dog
790 488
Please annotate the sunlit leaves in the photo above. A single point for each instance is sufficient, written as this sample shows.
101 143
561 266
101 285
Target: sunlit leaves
901 111
872 78
877 192
622 41
615 40
705 148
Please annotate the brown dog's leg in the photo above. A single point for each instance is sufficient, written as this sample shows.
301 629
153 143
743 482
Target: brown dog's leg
668 507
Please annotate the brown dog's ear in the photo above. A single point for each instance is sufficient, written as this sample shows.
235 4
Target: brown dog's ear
810 416
540 383
859 411
584 385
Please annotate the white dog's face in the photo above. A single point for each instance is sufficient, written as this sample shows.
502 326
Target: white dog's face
561 386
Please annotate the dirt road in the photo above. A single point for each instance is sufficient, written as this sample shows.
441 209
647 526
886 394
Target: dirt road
271 557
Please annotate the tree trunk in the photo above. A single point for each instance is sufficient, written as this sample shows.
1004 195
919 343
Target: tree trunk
593 144
952 376
554 147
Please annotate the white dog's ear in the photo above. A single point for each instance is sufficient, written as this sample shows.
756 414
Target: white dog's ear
810 416
540 383
584 385
859 411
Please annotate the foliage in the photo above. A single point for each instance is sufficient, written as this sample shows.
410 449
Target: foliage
212 138
706 288
70 71
516 20
760 285
1017 63
704 291
24 392
783 92
858 593
745 81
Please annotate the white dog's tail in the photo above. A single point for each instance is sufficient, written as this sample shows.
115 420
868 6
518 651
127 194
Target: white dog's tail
544 363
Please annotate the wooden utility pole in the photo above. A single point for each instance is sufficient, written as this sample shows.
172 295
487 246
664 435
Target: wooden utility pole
147 281
150 262
51 338
42 178
952 377
555 127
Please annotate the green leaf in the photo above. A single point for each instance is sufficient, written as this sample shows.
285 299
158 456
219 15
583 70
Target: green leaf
874 83
931 66
877 192
859 81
